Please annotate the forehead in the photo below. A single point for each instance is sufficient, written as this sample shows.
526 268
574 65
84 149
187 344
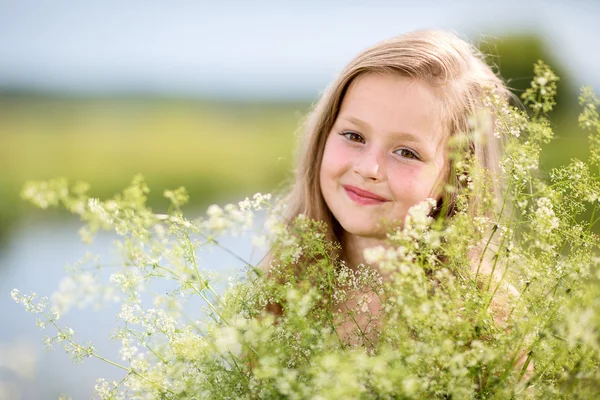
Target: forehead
394 103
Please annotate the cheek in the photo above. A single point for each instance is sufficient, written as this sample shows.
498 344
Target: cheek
413 183
336 159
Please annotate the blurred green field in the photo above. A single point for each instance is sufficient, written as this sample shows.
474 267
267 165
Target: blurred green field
216 150
219 151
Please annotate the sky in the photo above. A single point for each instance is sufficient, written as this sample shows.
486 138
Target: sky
258 49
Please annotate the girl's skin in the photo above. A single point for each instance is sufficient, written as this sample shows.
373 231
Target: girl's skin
384 154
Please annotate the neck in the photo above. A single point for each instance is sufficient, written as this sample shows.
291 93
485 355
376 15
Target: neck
353 248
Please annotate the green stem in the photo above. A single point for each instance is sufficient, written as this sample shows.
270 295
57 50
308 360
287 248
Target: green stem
143 342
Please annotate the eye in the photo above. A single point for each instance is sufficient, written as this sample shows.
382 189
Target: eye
407 153
353 136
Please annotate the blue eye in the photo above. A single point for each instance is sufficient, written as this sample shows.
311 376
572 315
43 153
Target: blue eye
407 153
353 136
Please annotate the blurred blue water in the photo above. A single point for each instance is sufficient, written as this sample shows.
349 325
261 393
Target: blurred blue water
34 260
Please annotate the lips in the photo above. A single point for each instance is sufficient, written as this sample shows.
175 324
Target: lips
363 197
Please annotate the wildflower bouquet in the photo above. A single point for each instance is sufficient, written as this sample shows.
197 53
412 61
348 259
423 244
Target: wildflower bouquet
503 305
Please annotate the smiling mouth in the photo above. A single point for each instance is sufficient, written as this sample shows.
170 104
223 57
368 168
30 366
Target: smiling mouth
363 197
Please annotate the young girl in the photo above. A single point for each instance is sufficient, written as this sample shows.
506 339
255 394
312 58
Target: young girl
376 143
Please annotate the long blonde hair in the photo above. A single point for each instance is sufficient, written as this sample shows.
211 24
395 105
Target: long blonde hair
453 68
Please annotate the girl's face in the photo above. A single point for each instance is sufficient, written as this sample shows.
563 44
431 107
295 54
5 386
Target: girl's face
384 154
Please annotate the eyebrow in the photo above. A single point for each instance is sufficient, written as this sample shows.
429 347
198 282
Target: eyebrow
365 125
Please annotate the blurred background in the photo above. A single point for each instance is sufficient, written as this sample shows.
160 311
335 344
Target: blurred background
208 96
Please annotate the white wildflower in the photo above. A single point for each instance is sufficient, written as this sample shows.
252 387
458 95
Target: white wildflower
130 314
129 281
228 341
374 255
245 204
127 350
545 220
541 81
214 211
96 207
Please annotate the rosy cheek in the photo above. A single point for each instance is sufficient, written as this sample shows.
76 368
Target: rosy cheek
407 173
336 156
411 180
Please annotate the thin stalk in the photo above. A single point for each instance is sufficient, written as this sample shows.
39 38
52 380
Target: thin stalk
92 354
494 229
197 291
362 333
106 360
143 342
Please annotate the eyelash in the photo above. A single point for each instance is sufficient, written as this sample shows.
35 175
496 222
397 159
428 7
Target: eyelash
348 134
358 138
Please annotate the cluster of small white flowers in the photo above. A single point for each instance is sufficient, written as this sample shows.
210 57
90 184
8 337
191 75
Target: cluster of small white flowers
102 389
389 258
504 231
81 290
544 220
78 352
466 179
188 344
576 180
416 224
220 220
276 227
130 281
375 255
46 193
479 123
217 221
36 195
140 257
127 350
508 121
286 381
363 302
289 244
581 328
107 391
519 161
228 341
301 304
541 82
244 218
157 320
522 204
418 217
589 118
258 202
238 218
29 302
481 223
96 207
344 274
130 313
541 95
140 363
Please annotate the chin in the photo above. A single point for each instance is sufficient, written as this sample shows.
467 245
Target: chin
364 230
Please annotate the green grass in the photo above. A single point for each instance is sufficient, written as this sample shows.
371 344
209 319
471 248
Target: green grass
569 142
215 150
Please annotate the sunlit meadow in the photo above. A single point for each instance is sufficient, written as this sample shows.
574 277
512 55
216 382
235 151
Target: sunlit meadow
501 305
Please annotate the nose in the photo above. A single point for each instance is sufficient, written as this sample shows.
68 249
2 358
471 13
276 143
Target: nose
369 167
